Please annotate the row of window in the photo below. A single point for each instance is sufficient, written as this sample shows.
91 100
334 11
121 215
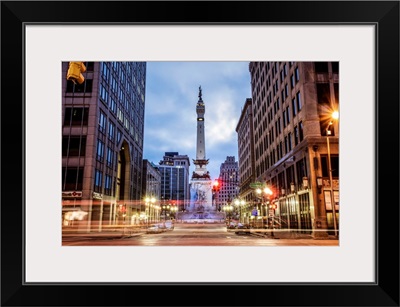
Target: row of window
296 107
279 151
109 187
261 94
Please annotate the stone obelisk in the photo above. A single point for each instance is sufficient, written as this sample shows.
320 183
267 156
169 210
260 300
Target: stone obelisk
201 184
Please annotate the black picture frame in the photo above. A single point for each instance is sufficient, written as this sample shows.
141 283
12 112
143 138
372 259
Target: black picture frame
383 14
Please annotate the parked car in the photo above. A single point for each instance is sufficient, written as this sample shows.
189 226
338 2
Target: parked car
242 228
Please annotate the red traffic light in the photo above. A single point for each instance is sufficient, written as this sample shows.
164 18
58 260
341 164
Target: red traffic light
216 185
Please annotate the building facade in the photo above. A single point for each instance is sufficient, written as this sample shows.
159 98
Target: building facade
151 191
296 143
102 143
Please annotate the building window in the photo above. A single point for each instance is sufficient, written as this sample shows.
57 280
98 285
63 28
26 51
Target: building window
334 166
100 151
119 135
301 132
110 157
76 116
105 72
102 122
120 115
89 66
114 85
103 94
98 177
298 99
73 146
292 82
297 74
107 185
323 93
290 141
294 109
280 150
296 135
288 114
113 106
286 145
279 128
85 87
111 131
72 178
284 118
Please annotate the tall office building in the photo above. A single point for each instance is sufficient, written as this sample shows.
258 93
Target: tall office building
296 141
246 163
102 143
174 169
229 179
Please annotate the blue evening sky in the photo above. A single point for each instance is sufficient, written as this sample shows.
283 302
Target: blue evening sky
172 90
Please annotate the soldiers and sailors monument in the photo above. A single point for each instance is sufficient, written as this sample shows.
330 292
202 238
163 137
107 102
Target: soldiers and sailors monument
201 199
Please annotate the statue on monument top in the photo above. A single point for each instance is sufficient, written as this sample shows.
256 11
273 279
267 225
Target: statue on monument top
200 98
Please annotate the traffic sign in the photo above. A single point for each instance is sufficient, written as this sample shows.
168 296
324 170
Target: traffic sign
256 185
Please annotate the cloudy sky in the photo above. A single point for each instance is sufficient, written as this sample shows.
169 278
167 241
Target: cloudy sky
172 90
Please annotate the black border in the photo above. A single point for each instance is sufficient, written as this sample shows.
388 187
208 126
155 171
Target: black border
384 14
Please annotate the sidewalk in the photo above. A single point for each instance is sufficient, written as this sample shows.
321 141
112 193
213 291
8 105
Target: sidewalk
104 234
284 234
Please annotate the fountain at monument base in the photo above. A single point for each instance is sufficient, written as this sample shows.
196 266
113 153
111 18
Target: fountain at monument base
201 208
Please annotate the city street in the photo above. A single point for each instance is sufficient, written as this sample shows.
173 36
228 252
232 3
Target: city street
197 234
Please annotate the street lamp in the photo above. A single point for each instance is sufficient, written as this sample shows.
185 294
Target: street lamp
267 192
228 209
165 211
174 209
239 203
335 116
149 201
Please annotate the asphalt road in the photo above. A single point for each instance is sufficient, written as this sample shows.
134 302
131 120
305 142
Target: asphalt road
185 234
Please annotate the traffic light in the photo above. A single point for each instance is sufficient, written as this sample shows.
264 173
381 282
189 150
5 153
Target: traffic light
75 71
216 186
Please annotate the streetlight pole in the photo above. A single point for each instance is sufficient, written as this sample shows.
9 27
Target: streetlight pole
335 115
331 186
267 192
239 203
